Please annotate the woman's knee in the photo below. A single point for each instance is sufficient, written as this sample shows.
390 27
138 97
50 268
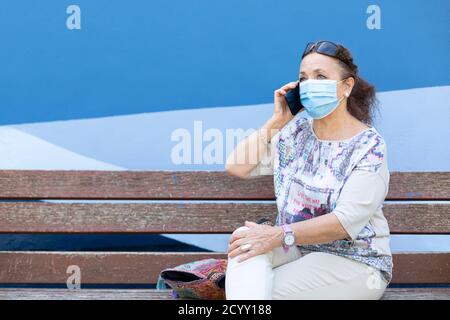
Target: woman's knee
263 256
242 228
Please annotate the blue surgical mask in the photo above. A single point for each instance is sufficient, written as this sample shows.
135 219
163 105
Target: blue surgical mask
319 97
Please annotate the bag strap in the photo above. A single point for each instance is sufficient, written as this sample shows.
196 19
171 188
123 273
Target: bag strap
216 278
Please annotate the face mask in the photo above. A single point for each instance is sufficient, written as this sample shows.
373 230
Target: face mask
319 97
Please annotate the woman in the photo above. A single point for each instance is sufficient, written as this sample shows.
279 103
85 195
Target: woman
331 239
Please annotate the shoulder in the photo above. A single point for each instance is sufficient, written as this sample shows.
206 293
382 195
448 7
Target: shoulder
294 127
375 151
288 140
373 162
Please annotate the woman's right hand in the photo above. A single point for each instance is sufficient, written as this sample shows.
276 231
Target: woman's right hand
281 113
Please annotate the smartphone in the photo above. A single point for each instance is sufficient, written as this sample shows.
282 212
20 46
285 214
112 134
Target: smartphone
265 220
293 100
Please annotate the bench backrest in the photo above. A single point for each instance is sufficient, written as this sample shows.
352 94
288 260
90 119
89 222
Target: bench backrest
416 204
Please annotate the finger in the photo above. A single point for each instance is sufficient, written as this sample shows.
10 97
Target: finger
236 244
235 247
280 92
246 256
233 238
289 86
238 235
235 252
283 90
251 224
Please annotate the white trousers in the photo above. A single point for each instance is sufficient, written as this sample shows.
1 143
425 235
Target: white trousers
282 276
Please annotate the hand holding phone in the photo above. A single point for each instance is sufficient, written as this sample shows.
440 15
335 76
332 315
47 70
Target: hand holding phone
293 100
282 113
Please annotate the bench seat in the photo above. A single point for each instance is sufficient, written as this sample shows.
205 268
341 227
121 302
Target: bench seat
200 202
153 294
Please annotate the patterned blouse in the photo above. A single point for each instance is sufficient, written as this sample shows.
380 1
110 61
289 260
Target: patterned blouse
348 178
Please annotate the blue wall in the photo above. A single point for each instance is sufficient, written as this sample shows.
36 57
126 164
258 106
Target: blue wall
146 56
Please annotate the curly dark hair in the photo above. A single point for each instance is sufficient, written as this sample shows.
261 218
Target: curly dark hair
362 102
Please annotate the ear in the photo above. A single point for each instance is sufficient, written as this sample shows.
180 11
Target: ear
349 84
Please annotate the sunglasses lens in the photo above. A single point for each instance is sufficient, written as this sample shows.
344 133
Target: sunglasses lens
328 48
308 48
324 47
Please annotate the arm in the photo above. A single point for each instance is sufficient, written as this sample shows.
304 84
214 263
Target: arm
323 229
249 152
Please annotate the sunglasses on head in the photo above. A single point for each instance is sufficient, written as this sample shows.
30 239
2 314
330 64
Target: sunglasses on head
324 47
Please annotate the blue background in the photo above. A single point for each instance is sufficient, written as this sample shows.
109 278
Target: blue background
145 56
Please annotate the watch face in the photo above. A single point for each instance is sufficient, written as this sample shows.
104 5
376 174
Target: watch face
289 239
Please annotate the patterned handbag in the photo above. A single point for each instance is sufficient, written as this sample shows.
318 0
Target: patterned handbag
202 279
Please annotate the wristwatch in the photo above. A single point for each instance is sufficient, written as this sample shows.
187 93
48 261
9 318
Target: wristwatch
288 238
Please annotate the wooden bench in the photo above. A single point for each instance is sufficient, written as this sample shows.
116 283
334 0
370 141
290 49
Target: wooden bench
417 204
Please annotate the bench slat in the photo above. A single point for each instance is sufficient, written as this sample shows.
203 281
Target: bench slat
152 294
416 294
84 294
38 217
43 184
143 267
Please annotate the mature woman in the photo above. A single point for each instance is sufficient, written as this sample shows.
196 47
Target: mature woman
330 239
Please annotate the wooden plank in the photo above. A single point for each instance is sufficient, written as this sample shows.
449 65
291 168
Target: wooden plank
416 294
84 294
419 186
42 184
163 217
153 294
143 267
129 217
425 267
414 218
131 185
95 267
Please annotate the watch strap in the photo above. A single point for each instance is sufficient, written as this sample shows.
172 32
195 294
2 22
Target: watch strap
287 229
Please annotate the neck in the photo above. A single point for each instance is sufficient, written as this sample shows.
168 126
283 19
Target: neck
340 124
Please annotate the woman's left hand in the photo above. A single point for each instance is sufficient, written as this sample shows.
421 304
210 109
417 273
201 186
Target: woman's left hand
262 238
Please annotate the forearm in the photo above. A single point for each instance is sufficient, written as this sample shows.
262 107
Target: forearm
248 153
322 229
